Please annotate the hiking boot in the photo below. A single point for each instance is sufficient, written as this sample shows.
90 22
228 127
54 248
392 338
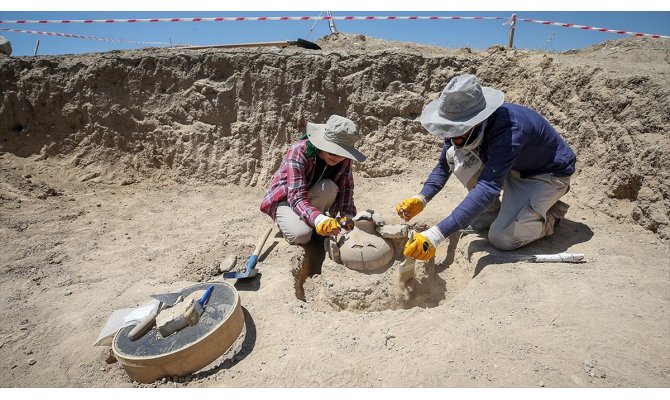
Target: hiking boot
558 211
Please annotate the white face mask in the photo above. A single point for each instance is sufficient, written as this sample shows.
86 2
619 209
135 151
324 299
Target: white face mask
474 140
464 161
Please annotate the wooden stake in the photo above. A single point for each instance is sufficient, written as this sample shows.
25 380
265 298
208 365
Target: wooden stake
511 31
331 23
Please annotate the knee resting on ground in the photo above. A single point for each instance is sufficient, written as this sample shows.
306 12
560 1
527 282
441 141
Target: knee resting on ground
502 241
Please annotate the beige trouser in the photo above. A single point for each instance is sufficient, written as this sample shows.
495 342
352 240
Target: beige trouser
322 196
523 216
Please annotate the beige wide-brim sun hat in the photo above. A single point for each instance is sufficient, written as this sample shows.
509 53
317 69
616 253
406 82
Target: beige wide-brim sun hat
337 136
462 105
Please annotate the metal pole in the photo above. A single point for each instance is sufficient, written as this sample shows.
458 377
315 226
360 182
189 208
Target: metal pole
37 46
331 23
512 25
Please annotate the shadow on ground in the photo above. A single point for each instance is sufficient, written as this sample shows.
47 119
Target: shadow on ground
566 235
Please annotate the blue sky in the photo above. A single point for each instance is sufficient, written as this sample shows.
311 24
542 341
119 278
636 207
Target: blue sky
477 34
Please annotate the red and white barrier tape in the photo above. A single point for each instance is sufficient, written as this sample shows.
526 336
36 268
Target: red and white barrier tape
72 35
593 28
233 19
304 18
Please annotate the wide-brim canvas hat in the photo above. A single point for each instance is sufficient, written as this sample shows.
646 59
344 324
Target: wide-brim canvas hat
337 136
462 104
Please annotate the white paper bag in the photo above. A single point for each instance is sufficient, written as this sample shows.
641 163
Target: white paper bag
121 318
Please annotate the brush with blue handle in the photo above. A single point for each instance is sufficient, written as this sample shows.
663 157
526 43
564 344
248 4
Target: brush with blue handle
198 308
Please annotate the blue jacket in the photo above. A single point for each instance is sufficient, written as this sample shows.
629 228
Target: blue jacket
516 138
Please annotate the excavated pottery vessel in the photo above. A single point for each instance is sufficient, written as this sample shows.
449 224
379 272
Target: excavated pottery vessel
363 248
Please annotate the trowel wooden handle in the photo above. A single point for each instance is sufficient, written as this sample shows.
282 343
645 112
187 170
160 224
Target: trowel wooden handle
143 326
262 241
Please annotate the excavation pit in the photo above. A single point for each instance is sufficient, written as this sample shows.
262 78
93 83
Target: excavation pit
360 271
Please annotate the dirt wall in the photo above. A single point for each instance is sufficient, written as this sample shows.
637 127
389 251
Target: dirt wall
226 116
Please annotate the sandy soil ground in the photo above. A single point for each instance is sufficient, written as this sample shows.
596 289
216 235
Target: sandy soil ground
95 248
108 197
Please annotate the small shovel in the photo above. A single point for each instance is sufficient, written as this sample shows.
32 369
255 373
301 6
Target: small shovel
250 271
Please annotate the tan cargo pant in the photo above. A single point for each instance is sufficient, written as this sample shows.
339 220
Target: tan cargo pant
523 216
296 231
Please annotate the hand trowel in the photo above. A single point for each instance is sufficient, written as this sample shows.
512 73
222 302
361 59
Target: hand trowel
406 268
166 300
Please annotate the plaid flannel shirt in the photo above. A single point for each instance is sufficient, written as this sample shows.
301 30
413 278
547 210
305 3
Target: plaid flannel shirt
291 182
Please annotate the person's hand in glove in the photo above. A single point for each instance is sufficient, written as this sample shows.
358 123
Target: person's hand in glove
422 245
346 222
326 226
410 207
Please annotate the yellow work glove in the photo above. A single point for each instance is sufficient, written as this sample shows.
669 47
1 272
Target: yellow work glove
419 248
327 226
410 207
346 222
422 245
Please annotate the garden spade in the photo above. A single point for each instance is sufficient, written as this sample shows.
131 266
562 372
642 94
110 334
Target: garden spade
250 271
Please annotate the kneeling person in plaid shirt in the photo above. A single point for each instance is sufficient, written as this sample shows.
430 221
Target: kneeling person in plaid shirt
314 178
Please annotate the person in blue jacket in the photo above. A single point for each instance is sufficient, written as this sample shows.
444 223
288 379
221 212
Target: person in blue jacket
492 146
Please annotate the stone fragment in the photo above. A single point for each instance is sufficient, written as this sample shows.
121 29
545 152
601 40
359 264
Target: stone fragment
398 231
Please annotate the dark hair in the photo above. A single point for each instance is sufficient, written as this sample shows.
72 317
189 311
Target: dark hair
311 149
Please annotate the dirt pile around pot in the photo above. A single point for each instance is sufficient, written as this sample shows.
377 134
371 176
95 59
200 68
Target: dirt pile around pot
361 271
338 288
225 116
